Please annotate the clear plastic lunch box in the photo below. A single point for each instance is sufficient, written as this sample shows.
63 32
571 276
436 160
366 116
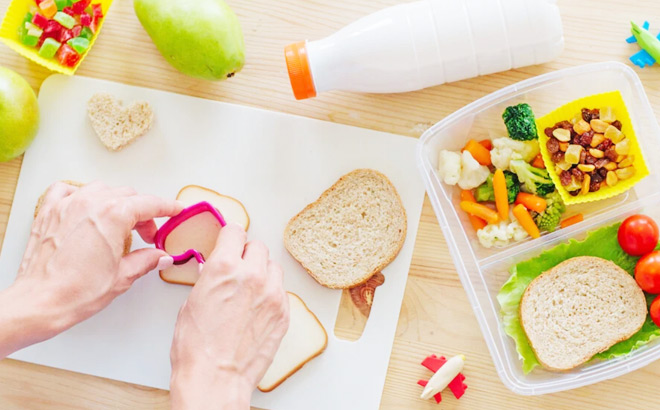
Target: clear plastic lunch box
483 271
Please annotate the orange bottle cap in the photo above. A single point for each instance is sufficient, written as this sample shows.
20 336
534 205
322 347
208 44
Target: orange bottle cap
300 75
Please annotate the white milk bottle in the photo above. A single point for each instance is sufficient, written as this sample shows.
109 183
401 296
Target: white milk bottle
429 42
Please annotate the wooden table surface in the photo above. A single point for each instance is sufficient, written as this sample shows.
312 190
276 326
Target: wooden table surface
436 316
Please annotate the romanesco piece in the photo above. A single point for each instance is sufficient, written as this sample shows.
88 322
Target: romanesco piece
548 220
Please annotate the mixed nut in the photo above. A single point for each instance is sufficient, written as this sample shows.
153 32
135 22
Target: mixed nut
590 151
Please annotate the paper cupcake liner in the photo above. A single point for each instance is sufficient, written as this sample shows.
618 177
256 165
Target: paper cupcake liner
9 35
565 113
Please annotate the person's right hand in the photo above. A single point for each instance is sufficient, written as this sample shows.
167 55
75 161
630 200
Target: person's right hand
230 327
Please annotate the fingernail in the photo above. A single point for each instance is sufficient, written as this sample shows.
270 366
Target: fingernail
164 262
199 268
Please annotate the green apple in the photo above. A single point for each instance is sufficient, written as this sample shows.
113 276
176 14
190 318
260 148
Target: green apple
19 114
200 38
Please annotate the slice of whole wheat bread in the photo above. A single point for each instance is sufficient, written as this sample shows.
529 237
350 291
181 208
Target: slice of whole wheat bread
579 308
355 229
116 125
128 242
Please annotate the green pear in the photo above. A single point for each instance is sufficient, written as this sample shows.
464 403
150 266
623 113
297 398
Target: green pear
19 114
200 38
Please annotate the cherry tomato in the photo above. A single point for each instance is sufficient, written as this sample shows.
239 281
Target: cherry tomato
647 272
654 310
638 235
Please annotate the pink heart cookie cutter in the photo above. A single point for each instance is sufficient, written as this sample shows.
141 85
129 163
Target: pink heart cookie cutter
173 222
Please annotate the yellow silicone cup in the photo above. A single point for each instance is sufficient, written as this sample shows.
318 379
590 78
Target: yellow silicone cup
566 113
9 35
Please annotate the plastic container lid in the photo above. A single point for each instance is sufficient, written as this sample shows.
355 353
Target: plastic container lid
483 271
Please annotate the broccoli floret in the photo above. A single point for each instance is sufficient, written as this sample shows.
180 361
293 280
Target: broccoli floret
535 180
519 121
485 193
548 220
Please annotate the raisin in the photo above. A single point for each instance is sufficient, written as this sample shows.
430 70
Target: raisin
552 145
548 131
611 154
574 193
585 139
590 160
605 144
589 115
603 173
577 174
601 163
583 156
595 186
575 139
565 177
596 178
565 125
617 124
558 156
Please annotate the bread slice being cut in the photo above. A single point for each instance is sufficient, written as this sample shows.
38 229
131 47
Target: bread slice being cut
355 229
199 232
304 340
579 308
128 242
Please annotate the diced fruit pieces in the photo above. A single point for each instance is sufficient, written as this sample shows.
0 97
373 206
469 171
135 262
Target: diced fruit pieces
67 56
48 8
85 19
87 33
49 47
76 30
61 4
80 6
65 20
29 40
79 44
65 35
52 30
40 21
69 11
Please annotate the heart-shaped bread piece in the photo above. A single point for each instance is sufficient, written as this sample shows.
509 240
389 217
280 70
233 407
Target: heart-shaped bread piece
116 125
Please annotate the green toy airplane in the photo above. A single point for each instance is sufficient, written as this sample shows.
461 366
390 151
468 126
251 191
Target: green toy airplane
650 45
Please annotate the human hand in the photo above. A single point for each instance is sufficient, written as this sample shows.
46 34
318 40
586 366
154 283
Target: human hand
229 329
74 265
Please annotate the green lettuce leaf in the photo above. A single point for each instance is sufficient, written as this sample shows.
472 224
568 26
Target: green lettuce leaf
602 243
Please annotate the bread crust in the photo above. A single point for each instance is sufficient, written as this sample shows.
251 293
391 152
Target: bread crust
387 260
321 350
534 282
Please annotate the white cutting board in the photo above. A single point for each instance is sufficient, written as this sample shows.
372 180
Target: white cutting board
275 164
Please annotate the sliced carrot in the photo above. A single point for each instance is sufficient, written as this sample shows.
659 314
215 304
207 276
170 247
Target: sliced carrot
526 220
477 223
538 162
481 211
572 220
532 202
479 152
488 144
501 197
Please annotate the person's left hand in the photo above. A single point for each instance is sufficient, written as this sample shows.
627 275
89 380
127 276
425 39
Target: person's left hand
74 265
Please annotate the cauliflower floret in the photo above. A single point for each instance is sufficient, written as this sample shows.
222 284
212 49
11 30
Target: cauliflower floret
504 148
449 166
473 174
501 234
